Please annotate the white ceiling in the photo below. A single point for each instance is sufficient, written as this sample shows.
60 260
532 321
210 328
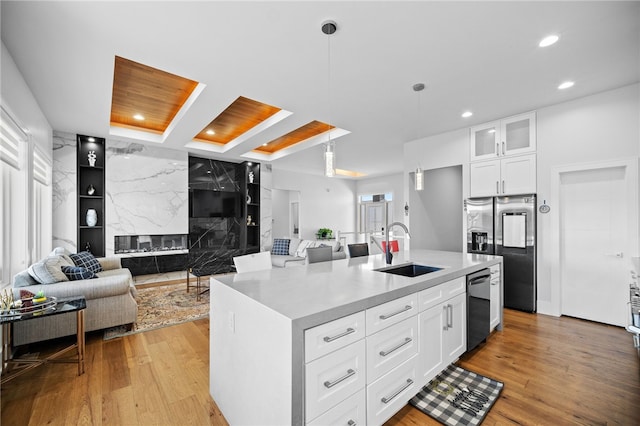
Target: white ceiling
478 56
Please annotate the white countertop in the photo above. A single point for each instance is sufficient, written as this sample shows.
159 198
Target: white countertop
320 292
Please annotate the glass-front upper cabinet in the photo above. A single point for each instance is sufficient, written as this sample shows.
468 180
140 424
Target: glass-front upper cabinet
510 136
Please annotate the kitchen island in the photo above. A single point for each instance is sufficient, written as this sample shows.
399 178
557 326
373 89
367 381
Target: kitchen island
272 330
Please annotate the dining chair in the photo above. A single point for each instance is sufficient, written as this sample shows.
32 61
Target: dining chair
319 254
358 249
253 262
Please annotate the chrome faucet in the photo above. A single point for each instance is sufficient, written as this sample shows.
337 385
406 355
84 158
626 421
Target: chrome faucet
388 254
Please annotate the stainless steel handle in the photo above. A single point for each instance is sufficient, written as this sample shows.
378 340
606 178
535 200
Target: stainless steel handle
329 384
446 318
449 316
503 151
407 340
497 149
503 186
388 399
337 336
387 316
497 187
351 423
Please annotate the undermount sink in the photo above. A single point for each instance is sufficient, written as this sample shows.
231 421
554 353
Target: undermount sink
409 270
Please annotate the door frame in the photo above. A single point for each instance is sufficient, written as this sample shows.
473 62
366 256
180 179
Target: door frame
632 245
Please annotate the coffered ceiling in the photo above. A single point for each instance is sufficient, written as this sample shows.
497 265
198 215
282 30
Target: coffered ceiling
262 75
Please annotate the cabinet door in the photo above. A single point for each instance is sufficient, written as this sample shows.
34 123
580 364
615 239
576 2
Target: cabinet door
518 175
494 303
518 134
485 178
485 141
455 335
431 330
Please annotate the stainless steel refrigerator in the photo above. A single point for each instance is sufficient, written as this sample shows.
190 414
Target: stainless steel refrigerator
506 226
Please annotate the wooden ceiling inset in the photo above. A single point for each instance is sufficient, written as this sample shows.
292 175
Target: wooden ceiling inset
155 94
300 134
242 115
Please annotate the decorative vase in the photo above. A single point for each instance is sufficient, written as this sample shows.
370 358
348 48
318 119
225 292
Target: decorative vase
251 177
248 199
249 219
92 217
91 190
92 158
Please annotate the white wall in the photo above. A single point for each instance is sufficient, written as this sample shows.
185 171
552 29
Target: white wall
280 213
383 184
605 126
324 202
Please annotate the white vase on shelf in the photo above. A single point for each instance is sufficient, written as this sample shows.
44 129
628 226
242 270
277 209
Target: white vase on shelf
92 217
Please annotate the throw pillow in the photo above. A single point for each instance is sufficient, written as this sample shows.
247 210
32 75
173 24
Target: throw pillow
302 248
61 251
47 271
280 246
293 246
86 260
75 273
23 279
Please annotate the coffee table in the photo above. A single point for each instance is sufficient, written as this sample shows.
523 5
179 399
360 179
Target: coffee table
13 368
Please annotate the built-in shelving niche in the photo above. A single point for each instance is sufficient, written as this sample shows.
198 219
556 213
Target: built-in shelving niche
91 191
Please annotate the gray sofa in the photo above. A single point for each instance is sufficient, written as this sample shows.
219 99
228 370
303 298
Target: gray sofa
110 302
297 251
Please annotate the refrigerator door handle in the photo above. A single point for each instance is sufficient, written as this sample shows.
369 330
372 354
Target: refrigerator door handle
497 187
503 186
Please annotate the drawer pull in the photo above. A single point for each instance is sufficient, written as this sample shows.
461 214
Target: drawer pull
387 399
398 346
329 384
351 423
336 337
387 316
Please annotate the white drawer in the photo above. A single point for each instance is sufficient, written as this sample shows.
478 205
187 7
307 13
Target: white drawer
334 377
325 338
382 316
433 296
351 411
391 392
391 347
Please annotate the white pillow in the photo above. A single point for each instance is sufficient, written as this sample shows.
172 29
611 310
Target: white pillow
335 244
293 246
302 248
49 270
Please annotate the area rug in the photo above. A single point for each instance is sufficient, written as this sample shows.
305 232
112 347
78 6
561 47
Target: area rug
163 306
458 397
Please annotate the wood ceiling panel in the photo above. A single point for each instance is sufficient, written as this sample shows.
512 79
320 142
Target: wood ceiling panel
300 134
239 117
155 94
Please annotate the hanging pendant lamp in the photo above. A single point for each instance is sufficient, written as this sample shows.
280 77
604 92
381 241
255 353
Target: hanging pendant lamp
419 175
328 28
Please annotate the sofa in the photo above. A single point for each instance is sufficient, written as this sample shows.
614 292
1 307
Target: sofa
287 252
110 295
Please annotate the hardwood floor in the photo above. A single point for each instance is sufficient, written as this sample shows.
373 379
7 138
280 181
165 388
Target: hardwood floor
556 371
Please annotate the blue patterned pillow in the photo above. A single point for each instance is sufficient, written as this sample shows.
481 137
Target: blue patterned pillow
86 260
75 273
280 246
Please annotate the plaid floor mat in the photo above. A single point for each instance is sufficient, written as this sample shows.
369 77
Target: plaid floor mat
458 397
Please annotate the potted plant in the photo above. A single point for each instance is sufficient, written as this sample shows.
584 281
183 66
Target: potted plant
324 233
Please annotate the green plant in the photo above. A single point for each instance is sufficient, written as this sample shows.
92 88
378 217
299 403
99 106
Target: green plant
324 233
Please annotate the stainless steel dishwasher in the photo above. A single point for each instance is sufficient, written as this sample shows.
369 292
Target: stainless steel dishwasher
478 307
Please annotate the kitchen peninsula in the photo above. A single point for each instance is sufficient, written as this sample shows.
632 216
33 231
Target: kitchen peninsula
315 344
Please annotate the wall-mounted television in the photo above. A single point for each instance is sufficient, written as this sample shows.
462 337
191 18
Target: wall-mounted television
208 203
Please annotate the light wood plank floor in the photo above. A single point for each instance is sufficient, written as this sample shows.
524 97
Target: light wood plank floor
556 371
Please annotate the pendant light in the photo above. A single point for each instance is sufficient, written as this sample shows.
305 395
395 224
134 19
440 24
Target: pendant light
328 28
419 87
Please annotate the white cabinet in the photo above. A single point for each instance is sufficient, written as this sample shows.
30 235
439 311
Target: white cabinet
442 327
506 176
496 303
351 411
509 136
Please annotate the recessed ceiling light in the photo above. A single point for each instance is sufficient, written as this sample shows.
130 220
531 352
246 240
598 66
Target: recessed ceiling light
566 85
467 114
265 144
211 132
548 41
91 139
491 131
138 117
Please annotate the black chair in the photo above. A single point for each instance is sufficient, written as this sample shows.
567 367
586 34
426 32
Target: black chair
358 250
319 254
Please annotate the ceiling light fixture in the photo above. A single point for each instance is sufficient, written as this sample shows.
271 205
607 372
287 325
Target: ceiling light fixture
210 132
467 114
566 85
548 41
419 176
138 117
329 28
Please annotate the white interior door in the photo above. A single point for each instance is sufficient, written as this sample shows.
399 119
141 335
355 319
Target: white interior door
594 242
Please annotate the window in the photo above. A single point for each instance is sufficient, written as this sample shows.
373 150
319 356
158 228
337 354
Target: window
374 213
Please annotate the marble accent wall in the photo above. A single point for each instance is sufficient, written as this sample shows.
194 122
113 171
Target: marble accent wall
266 206
64 178
147 191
